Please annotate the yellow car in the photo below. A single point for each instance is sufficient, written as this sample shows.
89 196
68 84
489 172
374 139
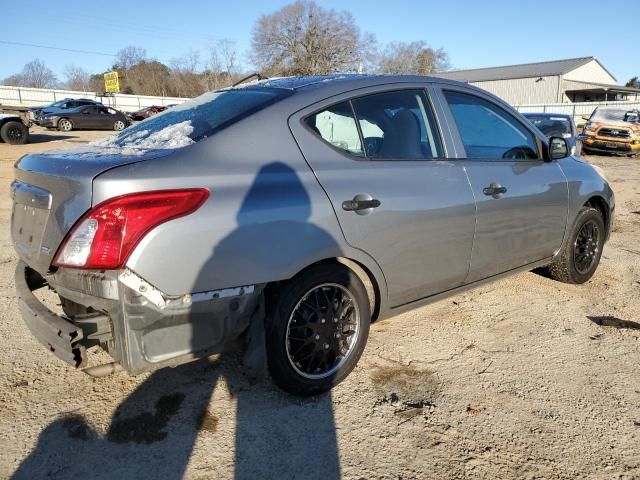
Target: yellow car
612 130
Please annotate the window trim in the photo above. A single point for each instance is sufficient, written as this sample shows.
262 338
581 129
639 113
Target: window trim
365 157
462 91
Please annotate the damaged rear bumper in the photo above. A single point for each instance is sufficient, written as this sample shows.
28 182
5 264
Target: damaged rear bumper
139 326
56 333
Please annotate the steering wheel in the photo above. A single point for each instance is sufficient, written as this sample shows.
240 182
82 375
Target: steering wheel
522 152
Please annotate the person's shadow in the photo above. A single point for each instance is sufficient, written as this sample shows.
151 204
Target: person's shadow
154 430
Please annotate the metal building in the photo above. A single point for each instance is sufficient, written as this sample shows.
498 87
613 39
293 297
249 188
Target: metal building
582 79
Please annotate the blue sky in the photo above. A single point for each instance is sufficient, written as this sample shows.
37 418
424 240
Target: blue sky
475 34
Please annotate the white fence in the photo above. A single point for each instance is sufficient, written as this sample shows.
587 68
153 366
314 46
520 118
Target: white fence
575 109
42 96
131 103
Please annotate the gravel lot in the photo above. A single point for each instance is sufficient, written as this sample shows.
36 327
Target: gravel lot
523 378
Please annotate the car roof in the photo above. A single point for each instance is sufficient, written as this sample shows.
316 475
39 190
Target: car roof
309 89
355 80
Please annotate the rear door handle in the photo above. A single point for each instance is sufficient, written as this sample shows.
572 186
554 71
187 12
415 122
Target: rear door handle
362 204
494 190
355 205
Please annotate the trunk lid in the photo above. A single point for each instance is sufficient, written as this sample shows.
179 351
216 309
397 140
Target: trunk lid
51 191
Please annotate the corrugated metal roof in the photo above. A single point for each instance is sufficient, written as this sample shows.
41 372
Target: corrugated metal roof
527 70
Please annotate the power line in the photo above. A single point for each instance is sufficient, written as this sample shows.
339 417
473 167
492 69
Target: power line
88 52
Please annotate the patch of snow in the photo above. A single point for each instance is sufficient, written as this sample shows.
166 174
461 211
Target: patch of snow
139 143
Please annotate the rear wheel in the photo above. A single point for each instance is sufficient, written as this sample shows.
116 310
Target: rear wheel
65 125
579 258
14 133
317 329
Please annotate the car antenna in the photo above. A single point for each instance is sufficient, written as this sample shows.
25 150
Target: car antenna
248 77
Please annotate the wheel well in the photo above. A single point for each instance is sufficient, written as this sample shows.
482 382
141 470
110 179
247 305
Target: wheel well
363 273
602 206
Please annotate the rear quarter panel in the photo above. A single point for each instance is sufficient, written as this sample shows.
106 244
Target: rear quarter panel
266 218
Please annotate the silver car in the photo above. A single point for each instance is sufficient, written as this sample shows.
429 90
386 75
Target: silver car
282 217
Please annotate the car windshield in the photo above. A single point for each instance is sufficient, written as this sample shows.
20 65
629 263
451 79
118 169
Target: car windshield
195 119
551 126
615 115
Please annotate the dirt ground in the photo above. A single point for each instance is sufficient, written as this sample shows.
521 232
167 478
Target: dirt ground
524 378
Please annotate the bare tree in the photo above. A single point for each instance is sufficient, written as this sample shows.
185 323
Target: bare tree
303 38
222 67
129 57
34 74
77 78
15 80
185 77
414 58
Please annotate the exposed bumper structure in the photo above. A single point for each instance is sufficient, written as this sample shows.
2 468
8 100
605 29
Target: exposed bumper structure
139 326
58 334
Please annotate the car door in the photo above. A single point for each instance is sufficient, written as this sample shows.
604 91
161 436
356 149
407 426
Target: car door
381 159
106 117
522 200
87 117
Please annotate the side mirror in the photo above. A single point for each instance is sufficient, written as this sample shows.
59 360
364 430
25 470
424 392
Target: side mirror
586 117
558 148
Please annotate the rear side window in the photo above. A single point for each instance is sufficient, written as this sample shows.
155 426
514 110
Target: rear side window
397 125
488 131
337 126
196 119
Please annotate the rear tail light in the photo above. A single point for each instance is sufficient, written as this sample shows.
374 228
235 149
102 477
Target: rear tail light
107 234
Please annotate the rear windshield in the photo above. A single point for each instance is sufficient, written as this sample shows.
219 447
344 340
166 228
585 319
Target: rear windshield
192 121
551 126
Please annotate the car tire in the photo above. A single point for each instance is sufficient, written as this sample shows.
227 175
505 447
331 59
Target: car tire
65 125
308 351
579 258
14 133
119 125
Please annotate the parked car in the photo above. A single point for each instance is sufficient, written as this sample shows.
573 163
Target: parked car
557 125
289 214
612 129
61 105
91 117
147 112
14 124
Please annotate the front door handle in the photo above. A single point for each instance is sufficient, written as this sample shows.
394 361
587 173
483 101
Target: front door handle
362 204
494 190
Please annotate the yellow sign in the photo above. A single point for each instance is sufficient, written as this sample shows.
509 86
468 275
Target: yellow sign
111 82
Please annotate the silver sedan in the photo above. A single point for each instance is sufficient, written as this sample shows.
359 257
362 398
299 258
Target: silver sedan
284 216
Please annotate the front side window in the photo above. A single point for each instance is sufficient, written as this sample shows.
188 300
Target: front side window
337 126
488 131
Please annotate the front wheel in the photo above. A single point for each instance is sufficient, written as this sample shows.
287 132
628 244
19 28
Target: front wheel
317 329
580 257
118 125
65 125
